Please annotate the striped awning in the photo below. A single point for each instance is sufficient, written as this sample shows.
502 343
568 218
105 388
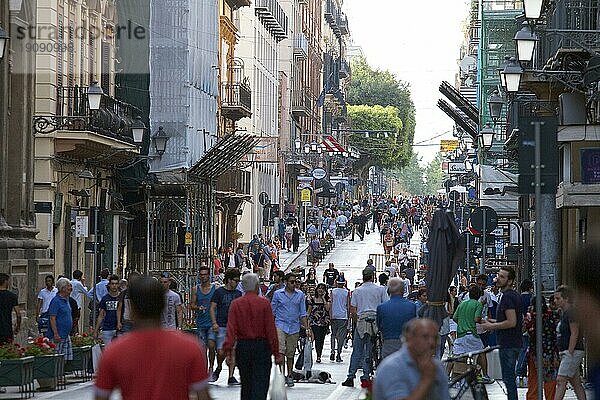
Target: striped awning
332 145
223 155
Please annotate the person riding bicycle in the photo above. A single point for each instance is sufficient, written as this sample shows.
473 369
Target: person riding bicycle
363 308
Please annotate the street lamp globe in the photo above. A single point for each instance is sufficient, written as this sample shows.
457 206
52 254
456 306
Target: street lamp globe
468 165
512 74
137 129
297 144
346 154
94 94
313 146
3 41
501 67
495 104
160 141
486 137
319 149
533 8
307 148
525 40
330 153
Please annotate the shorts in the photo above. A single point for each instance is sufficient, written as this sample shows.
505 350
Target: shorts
570 363
485 338
453 326
204 334
467 344
218 338
287 343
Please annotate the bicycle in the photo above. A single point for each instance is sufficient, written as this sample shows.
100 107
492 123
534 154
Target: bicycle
468 379
376 346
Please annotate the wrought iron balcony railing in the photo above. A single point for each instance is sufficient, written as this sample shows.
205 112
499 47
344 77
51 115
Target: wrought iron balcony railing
300 46
332 16
273 17
344 69
113 119
236 100
301 103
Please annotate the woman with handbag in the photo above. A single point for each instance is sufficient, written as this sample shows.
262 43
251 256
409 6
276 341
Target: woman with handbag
318 316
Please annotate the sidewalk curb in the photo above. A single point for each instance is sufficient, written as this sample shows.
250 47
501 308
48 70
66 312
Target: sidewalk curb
293 260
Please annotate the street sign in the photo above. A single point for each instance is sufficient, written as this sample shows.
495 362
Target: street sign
263 198
305 195
303 185
188 238
456 168
319 173
448 145
81 226
477 219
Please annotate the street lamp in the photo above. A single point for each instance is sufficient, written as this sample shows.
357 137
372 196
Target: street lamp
330 153
346 154
486 137
313 147
306 148
3 40
525 40
512 75
94 94
137 129
468 165
501 67
319 149
495 104
160 141
533 8
297 144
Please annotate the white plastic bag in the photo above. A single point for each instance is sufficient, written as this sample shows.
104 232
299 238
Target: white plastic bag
96 353
277 389
308 360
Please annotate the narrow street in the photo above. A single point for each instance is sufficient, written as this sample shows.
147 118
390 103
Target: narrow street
349 257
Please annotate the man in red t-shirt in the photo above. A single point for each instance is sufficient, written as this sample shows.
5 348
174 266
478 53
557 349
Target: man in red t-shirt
151 362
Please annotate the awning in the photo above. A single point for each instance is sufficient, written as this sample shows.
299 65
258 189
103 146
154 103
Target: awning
506 204
223 155
324 188
332 145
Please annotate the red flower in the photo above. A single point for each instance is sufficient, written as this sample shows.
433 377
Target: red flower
367 384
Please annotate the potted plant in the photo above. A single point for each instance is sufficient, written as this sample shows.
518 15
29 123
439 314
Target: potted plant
15 368
48 366
82 353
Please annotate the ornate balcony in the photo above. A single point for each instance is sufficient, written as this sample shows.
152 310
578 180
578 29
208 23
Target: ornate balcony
235 4
273 17
236 100
344 69
300 46
83 134
343 24
301 103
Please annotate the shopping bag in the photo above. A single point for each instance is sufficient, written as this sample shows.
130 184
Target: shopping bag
308 361
277 389
96 353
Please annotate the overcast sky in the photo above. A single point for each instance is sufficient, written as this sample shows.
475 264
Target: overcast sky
419 41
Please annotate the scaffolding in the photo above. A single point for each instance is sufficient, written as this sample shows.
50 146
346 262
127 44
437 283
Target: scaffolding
180 230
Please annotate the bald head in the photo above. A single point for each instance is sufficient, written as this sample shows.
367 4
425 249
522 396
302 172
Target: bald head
421 336
396 287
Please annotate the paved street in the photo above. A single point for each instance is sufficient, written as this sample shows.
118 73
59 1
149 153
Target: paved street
349 257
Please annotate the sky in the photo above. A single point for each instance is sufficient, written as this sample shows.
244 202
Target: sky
419 41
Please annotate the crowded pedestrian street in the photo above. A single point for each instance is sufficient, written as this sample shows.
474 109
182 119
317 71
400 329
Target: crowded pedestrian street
349 258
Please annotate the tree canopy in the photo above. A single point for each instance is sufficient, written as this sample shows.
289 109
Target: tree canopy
376 87
434 175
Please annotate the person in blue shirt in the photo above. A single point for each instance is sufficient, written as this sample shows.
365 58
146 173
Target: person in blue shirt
289 309
107 318
61 321
393 315
413 372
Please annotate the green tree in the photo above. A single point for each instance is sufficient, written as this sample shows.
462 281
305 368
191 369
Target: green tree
434 176
411 177
389 152
376 87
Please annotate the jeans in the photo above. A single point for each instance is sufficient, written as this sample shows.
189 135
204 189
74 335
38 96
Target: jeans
338 334
107 336
361 354
319 333
253 358
508 362
522 361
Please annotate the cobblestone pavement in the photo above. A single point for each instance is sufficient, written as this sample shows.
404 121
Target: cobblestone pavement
349 257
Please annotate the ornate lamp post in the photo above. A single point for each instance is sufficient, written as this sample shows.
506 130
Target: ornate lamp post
160 141
486 137
533 8
495 104
512 75
137 129
525 40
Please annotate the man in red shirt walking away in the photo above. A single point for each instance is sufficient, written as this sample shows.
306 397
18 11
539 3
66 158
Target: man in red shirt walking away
251 329
174 369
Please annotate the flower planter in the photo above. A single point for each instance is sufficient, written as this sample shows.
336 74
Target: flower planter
49 370
18 372
81 362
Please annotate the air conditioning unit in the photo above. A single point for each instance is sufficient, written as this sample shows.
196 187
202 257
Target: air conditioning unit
572 110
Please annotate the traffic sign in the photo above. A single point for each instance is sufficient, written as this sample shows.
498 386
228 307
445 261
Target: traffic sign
448 145
484 212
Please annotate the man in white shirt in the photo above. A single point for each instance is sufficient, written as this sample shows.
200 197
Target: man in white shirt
363 310
44 298
78 287
342 221
339 318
